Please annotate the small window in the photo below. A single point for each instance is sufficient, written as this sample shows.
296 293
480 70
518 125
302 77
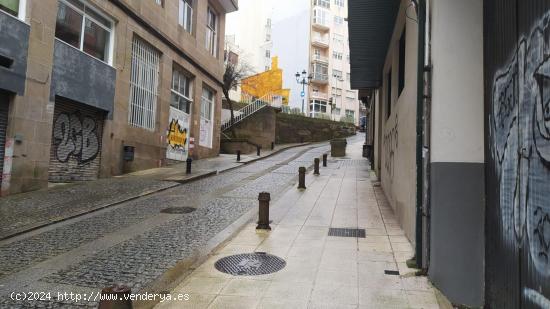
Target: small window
160 2
11 6
207 103
338 20
181 91
84 28
402 49
388 94
267 53
337 55
185 16
337 74
322 3
339 3
211 32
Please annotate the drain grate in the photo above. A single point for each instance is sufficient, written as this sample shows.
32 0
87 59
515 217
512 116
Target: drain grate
343 232
178 210
250 264
391 272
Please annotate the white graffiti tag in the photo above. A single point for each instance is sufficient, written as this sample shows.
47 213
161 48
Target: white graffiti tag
75 136
520 145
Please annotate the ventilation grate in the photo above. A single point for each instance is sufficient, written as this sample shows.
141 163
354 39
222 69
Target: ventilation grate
344 232
391 272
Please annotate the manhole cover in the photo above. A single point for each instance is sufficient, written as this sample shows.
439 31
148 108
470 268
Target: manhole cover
178 210
250 264
343 232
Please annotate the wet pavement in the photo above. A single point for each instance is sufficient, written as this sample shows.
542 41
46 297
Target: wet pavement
30 210
322 270
136 244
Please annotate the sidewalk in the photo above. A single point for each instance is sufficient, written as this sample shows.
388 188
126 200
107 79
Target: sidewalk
26 211
321 271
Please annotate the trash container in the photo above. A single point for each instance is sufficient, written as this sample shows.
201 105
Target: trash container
338 147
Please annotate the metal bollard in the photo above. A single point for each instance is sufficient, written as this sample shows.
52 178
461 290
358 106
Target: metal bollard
188 166
272 145
302 177
316 166
238 156
325 160
116 297
258 150
263 222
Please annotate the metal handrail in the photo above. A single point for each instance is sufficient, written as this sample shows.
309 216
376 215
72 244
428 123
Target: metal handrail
250 109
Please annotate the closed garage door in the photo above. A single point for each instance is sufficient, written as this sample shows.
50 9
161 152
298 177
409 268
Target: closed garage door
76 142
4 108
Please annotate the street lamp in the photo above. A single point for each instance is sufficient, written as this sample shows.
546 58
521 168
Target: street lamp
303 79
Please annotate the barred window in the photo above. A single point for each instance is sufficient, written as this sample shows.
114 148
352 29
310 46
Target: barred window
143 85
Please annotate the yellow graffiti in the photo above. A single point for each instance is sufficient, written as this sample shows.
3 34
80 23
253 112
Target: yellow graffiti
177 136
268 82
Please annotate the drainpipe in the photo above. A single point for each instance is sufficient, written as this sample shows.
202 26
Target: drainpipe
421 13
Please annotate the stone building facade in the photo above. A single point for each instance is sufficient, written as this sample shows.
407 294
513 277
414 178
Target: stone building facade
92 88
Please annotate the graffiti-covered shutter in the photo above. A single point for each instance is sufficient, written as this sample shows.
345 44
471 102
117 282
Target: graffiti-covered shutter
517 80
76 142
4 106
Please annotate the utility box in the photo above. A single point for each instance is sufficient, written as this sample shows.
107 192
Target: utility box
338 147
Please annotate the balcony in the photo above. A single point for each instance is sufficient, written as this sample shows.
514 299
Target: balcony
319 58
319 95
320 24
321 41
319 78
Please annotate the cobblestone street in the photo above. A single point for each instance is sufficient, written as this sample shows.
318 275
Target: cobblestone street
134 243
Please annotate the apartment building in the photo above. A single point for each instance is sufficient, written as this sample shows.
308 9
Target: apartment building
330 94
251 32
94 88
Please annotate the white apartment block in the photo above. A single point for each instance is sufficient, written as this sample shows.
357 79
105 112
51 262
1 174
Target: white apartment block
330 92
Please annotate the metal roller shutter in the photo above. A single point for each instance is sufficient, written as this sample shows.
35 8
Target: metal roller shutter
76 142
4 108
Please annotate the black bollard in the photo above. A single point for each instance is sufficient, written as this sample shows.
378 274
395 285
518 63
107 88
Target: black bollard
115 297
238 156
263 222
258 150
272 145
188 167
316 166
302 177
325 160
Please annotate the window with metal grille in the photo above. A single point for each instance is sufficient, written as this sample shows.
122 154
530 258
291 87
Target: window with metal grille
181 91
185 16
143 85
211 32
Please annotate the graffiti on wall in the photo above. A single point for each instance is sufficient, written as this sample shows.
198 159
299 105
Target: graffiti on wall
390 148
520 147
75 137
177 135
